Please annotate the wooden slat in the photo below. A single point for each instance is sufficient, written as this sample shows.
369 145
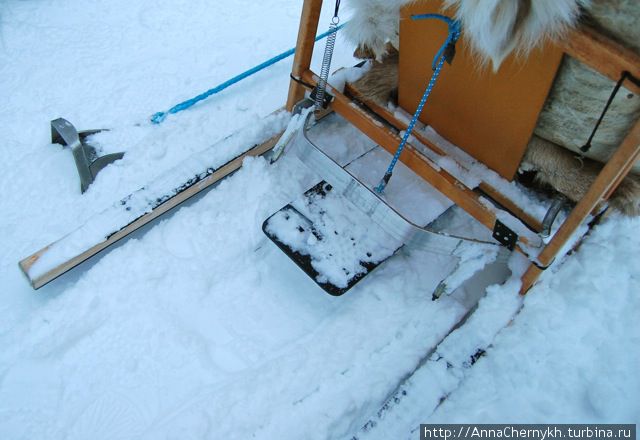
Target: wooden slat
615 169
532 222
304 48
171 203
526 218
603 54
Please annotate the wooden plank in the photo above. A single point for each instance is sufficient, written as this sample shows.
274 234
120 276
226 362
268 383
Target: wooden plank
440 179
532 222
616 168
603 54
304 49
490 115
169 204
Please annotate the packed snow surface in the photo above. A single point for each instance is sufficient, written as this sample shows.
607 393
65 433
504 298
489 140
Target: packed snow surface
198 326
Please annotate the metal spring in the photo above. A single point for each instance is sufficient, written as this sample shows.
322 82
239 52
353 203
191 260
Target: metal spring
326 64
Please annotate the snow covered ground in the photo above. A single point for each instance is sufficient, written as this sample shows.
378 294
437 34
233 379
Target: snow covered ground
198 326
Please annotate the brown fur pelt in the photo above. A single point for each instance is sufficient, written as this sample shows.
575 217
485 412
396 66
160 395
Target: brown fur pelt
380 83
572 175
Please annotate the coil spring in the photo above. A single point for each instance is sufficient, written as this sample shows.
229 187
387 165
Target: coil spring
326 64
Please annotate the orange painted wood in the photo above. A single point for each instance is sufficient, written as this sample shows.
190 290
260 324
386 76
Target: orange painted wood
489 115
304 49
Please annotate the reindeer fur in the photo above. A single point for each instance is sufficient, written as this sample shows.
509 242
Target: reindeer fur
380 83
572 175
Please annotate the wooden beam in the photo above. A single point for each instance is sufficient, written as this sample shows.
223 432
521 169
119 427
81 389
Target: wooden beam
508 204
304 49
532 222
169 204
605 55
613 172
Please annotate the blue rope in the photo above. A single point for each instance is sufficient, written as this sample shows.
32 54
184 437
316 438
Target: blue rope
445 53
160 116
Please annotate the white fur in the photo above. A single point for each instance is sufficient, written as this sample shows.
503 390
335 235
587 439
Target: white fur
375 23
495 28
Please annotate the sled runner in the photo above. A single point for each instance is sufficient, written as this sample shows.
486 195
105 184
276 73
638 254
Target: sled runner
144 205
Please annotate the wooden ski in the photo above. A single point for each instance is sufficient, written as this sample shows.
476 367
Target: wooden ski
142 206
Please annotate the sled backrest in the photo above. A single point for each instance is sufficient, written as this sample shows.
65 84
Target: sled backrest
491 115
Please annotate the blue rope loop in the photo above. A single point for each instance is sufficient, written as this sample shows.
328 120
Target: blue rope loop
452 38
158 117
445 53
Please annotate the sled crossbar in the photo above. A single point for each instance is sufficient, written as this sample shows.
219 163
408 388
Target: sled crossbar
585 44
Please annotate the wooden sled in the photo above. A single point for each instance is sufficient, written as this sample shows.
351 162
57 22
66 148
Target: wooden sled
585 44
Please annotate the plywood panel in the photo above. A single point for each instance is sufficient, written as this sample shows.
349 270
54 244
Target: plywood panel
491 115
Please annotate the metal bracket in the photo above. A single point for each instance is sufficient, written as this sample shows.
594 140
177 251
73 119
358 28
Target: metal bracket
504 235
85 155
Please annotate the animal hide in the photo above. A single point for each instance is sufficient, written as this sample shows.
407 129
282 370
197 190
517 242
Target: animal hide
380 83
574 105
572 176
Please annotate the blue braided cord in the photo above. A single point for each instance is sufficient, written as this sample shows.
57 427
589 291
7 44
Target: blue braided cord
157 118
438 62
454 27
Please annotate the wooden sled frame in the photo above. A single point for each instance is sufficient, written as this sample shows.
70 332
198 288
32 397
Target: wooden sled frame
586 44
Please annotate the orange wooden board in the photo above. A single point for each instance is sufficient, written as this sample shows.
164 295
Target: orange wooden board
490 115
